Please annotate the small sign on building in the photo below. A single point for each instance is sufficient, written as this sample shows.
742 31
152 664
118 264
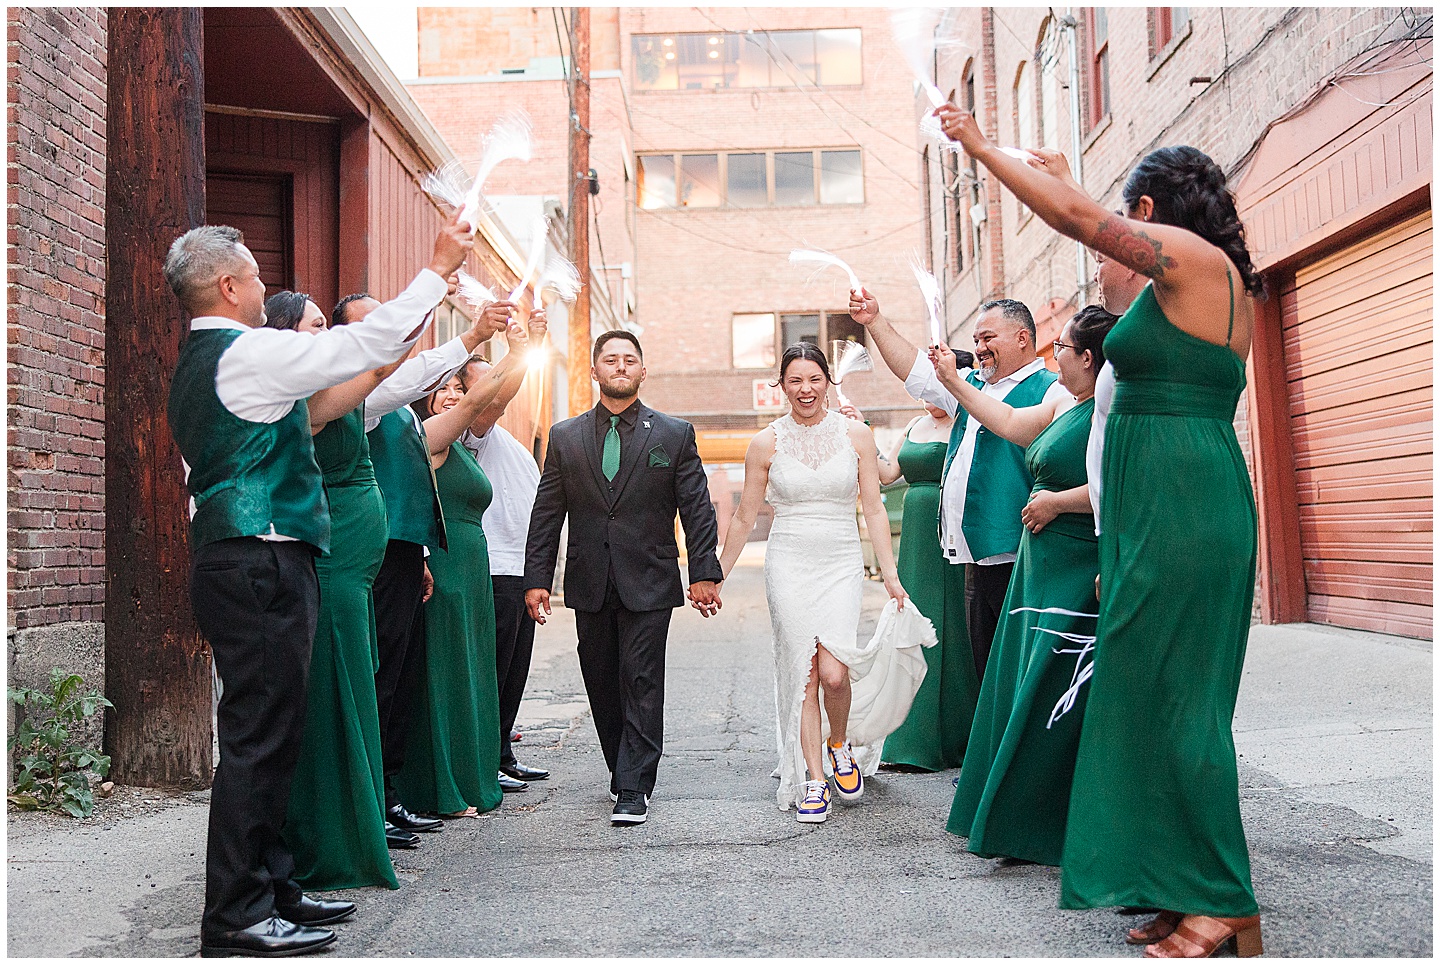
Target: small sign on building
767 397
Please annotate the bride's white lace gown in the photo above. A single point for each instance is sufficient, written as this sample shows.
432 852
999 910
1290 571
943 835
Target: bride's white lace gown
814 570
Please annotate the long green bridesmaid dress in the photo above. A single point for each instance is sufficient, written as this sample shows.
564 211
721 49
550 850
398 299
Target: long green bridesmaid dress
933 735
1014 788
453 756
1155 809
335 825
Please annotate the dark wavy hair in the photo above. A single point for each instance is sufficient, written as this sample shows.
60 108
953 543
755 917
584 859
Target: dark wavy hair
1088 329
340 314
285 309
809 352
1189 192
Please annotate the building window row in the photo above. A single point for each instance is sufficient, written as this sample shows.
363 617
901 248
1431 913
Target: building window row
758 338
751 179
755 58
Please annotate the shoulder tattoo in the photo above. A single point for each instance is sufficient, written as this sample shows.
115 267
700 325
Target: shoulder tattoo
1134 249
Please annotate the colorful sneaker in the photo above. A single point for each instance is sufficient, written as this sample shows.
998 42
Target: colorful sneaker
848 782
814 808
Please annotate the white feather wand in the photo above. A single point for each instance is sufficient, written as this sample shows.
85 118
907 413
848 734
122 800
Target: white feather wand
810 256
472 293
934 300
509 139
561 277
539 236
853 358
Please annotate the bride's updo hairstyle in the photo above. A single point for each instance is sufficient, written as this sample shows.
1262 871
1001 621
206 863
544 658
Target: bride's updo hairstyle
1188 190
807 352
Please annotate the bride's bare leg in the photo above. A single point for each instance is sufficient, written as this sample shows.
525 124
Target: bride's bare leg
835 680
810 724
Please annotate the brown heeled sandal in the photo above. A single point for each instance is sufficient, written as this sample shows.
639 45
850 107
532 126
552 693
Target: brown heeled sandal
1154 930
1188 942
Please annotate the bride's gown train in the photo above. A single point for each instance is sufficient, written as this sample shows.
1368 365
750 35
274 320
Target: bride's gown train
814 574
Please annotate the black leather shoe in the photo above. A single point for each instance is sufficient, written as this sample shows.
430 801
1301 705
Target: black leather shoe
522 773
508 784
408 821
399 838
272 938
630 808
315 911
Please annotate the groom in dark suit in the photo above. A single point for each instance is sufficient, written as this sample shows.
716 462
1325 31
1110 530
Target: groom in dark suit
622 471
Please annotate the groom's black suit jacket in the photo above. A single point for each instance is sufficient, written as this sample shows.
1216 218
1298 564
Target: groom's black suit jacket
622 530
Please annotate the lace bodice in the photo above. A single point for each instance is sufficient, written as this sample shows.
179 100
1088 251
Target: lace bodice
815 468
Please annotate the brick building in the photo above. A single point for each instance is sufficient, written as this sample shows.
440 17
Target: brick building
723 138
281 121
1321 118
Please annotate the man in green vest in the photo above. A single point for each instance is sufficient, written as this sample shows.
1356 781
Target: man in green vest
986 484
258 516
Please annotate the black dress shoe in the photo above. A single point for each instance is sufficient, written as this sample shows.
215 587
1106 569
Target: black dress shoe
315 911
630 808
271 938
409 821
508 784
522 773
399 838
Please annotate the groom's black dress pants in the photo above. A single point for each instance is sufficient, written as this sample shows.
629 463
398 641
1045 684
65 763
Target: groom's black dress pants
622 658
257 603
985 589
400 640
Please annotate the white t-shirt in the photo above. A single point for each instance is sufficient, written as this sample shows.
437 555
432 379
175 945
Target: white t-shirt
514 477
1095 448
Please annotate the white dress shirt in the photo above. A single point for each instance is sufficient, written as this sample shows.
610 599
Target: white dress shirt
514 476
266 371
1095 448
415 379
923 384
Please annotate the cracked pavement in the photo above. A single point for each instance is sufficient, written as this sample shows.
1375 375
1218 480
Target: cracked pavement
1333 729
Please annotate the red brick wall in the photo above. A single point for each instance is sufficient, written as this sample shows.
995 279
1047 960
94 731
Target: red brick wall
56 314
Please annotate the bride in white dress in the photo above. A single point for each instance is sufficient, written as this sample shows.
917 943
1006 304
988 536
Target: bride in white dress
811 464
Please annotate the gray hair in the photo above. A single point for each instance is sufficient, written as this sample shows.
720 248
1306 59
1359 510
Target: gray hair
200 256
1015 312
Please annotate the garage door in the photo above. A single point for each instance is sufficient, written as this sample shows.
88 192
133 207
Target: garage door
1358 348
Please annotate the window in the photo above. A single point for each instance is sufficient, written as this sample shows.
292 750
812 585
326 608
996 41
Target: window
753 340
751 179
1046 59
1165 23
974 196
774 58
757 340
1097 42
1025 106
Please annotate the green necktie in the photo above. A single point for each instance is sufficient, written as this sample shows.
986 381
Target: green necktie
610 460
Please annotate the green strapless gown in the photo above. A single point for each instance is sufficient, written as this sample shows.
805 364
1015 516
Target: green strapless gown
335 825
933 735
453 756
1014 787
1155 809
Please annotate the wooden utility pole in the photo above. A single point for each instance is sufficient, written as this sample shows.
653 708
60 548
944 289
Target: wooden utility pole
577 212
157 667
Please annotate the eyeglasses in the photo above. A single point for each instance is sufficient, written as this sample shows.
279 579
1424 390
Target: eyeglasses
1059 345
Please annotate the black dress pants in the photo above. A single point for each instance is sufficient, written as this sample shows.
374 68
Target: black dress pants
622 658
257 603
400 640
514 644
985 588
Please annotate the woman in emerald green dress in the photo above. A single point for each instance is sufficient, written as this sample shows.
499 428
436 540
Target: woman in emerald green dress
1014 788
335 823
452 759
934 733
1154 810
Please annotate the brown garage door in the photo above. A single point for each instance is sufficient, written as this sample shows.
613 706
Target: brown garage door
1358 348
259 205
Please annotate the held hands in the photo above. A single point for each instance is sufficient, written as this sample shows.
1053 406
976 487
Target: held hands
537 603
863 306
516 336
452 246
705 597
943 359
960 126
537 325
493 318
1053 163
1040 510
850 412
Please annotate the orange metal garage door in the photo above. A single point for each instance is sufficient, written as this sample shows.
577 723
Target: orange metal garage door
1358 348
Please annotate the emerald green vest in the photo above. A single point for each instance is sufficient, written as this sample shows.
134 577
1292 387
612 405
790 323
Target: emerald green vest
999 483
246 477
402 468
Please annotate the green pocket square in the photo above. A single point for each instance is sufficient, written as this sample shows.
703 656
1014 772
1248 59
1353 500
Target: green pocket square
659 457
